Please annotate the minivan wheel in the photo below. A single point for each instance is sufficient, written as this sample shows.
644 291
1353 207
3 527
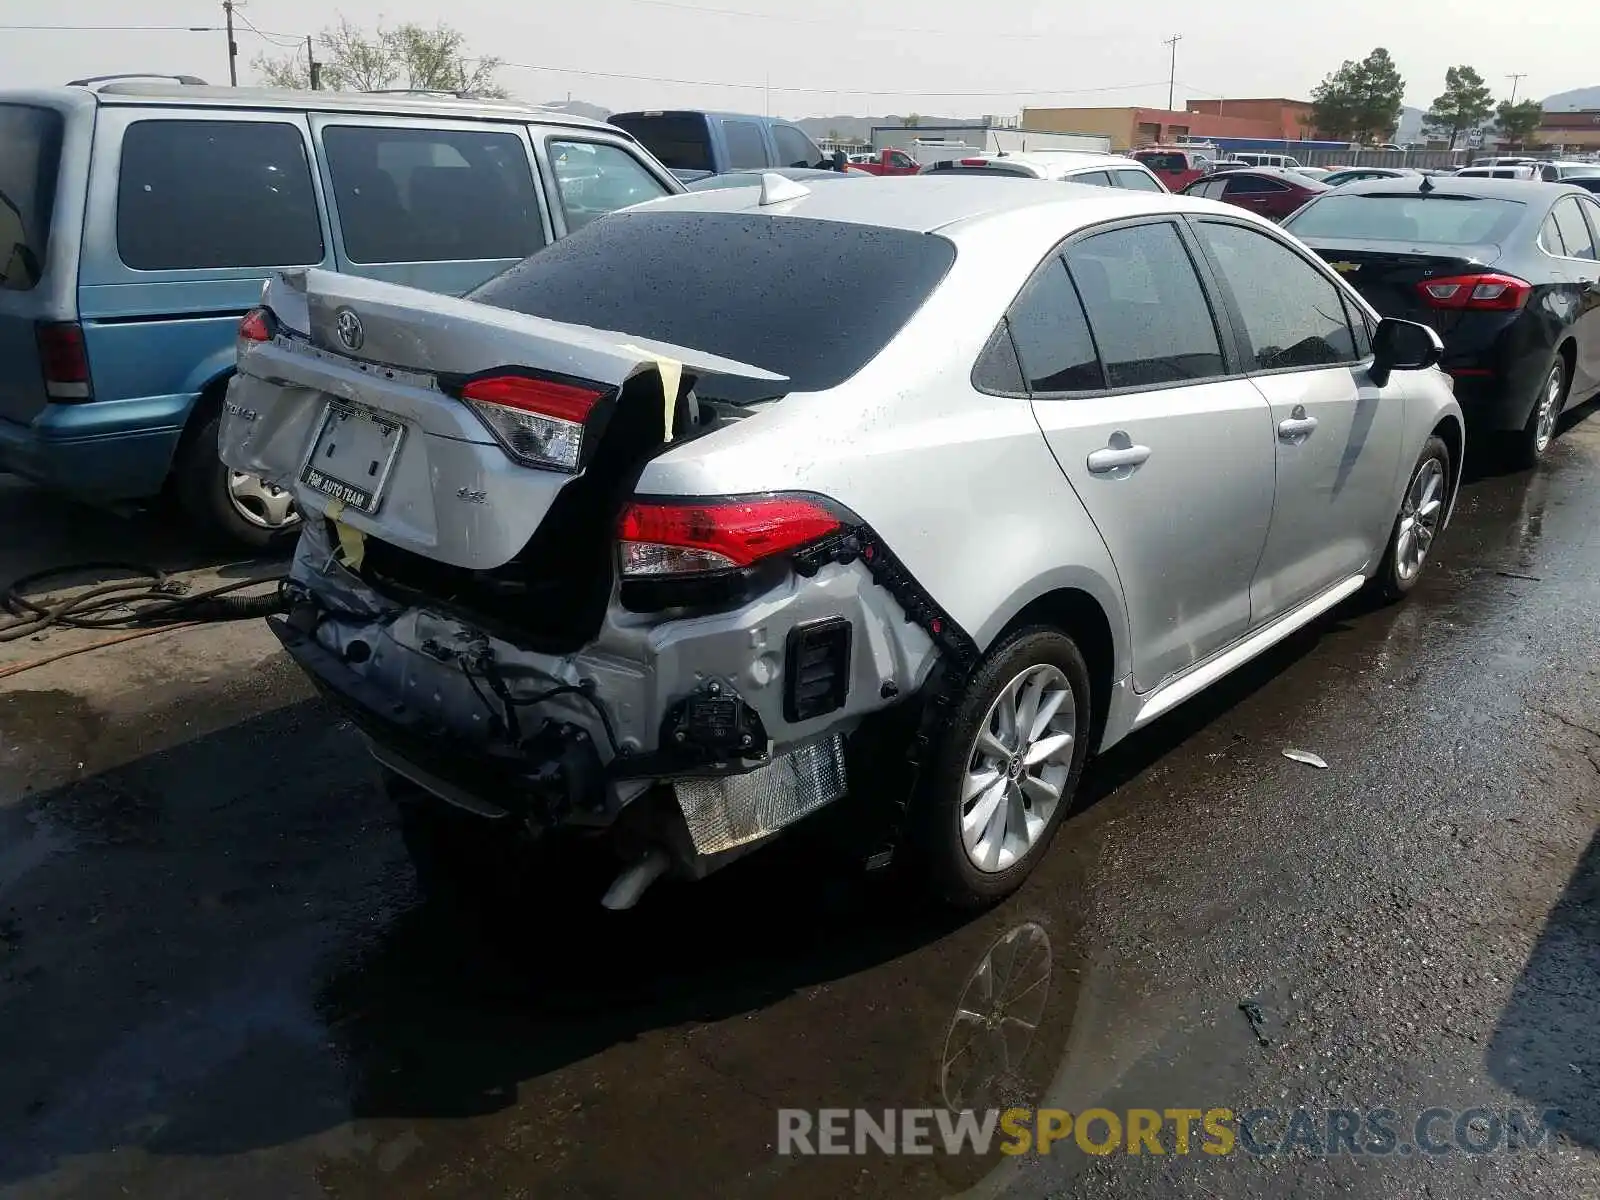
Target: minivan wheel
1528 446
229 505
1422 512
1007 768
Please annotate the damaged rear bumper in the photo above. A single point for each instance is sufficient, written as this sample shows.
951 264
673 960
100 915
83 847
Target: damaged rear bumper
693 712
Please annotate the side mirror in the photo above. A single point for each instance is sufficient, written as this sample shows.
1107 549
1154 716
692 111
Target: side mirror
1402 346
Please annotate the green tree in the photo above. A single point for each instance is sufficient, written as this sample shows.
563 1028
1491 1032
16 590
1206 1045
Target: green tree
1517 123
1465 104
911 120
1360 99
407 55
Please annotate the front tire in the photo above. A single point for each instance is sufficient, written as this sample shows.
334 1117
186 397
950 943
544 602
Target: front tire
1417 525
1007 768
230 506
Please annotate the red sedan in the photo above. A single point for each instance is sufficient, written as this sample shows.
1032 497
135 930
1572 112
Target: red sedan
1264 190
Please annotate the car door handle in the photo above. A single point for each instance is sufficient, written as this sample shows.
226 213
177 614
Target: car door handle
1115 458
1296 427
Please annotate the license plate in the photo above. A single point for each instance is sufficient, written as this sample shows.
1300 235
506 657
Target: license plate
352 455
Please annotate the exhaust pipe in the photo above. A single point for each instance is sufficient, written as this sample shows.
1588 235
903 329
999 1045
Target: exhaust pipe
627 887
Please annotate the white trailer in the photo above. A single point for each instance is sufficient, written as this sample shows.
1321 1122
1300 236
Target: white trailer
1015 141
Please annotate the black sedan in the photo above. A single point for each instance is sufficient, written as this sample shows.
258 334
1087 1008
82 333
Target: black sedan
1506 271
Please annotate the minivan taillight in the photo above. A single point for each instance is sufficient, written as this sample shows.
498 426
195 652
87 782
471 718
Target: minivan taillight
258 325
1483 292
677 538
537 421
64 361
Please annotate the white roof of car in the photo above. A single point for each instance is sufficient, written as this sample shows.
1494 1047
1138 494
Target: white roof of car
924 203
1057 164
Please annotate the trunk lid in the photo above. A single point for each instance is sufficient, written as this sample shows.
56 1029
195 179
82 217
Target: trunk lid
1387 274
410 463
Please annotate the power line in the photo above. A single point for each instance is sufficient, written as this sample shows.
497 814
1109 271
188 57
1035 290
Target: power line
112 28
283 40
827 91
858 27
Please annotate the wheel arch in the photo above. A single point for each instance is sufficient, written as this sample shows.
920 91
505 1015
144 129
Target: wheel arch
1450 431
1085 618
207 403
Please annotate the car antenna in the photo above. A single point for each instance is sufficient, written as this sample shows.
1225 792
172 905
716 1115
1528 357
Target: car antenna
775 189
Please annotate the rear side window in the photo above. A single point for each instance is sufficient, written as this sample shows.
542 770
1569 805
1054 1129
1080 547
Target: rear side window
1239 185
1051 335
30 156
1092 178
794 147
207 194
595 178
1149 315
1575 234
1293 314
678 141
432 195
1136 181
746 149
769 291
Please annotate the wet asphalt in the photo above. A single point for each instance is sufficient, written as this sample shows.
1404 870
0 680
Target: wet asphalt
217 980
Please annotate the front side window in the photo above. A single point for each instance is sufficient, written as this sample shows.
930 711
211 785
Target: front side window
409 194
595 178
1136 181
746 150
1575 234
1145 305
1051 335
899 159
794 147
1293 314
193 195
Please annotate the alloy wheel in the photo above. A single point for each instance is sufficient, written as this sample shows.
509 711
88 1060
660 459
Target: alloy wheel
1419 519
1549 410
260 503
1017 768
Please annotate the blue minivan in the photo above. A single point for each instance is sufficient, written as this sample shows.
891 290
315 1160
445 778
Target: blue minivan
695 145
138 220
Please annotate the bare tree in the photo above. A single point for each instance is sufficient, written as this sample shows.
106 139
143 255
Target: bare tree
408 55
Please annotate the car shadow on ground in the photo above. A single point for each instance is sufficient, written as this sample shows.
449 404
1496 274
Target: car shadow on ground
1546 1048
45 531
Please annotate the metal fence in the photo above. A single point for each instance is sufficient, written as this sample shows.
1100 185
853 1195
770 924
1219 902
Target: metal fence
1388 158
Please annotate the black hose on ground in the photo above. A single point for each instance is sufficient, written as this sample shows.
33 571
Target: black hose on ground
150 598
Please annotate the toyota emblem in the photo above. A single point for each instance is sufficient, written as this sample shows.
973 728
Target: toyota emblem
348 326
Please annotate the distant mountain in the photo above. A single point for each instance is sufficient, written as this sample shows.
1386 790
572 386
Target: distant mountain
860 128
578 108
1588 97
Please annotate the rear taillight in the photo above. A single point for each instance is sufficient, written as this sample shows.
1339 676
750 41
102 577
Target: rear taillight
64 361
1480 292
663 539
539 422
258 325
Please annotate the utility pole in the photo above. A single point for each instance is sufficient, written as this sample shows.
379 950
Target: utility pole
1515 80
232 47
1172 76
313 67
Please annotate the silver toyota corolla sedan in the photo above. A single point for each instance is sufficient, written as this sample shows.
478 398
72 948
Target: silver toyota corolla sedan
901 499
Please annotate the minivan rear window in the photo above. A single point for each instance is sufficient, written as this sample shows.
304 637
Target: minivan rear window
209 194
809 299
679 140
30 156
1437 218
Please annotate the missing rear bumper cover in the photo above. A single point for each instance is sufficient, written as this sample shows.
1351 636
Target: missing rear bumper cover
736 809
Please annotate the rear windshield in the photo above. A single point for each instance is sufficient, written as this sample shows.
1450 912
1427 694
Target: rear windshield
955 168
1163 162
811 300
1408 217
30 153
679 140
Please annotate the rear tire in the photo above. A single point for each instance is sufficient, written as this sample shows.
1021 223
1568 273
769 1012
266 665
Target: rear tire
205 488
1401 566
1526 448
979 767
